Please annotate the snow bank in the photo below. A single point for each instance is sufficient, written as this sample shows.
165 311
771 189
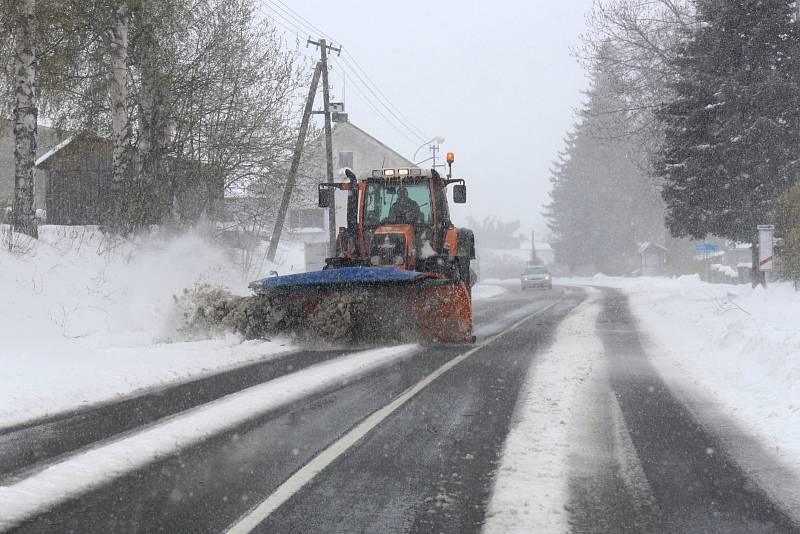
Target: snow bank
486 291
88 318
736 345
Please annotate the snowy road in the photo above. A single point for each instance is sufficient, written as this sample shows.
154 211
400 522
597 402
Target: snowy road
554 421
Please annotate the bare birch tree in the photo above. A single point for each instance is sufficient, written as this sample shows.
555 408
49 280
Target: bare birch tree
25 119
120 127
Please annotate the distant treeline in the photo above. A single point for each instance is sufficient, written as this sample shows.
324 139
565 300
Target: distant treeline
691 125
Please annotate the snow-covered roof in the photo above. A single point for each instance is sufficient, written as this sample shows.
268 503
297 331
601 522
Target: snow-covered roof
47 155
648 244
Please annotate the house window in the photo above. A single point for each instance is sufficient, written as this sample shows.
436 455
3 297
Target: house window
345 160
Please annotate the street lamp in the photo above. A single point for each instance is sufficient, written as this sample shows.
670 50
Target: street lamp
436 141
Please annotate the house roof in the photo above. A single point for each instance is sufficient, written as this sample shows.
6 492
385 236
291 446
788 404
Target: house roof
644 247
339 125
50 153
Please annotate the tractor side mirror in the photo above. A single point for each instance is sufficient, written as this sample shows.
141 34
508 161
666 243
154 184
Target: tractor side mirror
460 193
325 196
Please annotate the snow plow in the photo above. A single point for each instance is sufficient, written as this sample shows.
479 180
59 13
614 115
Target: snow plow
401 269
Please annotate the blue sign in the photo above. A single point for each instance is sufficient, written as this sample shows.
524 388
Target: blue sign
706 247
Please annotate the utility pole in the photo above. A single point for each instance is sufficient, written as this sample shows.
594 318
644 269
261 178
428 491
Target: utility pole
298 150
323 52
533 247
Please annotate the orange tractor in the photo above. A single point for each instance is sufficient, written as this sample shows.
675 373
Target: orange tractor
401 269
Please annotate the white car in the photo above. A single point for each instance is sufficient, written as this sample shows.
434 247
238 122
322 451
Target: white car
536 276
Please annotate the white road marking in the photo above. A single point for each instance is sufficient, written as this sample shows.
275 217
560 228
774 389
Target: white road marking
305 474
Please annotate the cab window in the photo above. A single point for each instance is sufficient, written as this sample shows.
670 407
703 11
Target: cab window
381 198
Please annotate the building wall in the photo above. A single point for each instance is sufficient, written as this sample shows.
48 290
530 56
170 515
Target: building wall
47 139
80 188
652 263
368 152
76 178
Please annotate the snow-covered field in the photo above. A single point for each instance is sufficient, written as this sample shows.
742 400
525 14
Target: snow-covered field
88 319
732 344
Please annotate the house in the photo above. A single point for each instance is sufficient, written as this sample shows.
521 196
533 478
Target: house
653 257
72 180
75 185
353 148
47 139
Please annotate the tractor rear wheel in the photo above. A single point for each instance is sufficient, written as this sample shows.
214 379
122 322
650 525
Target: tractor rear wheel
464 272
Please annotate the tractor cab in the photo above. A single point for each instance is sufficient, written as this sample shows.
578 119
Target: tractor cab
398 217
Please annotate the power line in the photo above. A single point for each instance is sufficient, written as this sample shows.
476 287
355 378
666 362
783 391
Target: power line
300 19
356 67
378 112
287 18
378 89
279 21
293 22
416 134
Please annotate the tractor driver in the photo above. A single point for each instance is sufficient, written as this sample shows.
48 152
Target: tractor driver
404 210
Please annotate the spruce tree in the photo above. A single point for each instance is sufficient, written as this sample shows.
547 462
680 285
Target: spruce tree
732 131
602 205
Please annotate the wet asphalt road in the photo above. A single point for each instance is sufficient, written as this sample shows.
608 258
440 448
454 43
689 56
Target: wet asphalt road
206 488
687 483
429 466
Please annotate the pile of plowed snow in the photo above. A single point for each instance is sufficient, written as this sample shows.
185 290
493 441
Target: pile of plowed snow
76 283
87 317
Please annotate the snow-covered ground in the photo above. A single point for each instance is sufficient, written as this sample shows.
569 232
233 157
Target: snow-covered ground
732 344
89 319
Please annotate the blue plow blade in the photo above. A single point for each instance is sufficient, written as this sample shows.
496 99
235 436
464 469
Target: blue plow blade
339 278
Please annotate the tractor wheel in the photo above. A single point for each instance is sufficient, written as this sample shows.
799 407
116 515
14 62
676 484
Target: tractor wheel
464 274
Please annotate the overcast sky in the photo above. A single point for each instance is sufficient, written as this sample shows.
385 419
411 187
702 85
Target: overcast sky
496 79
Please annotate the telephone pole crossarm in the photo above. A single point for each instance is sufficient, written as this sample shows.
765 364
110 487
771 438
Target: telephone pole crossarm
322 43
